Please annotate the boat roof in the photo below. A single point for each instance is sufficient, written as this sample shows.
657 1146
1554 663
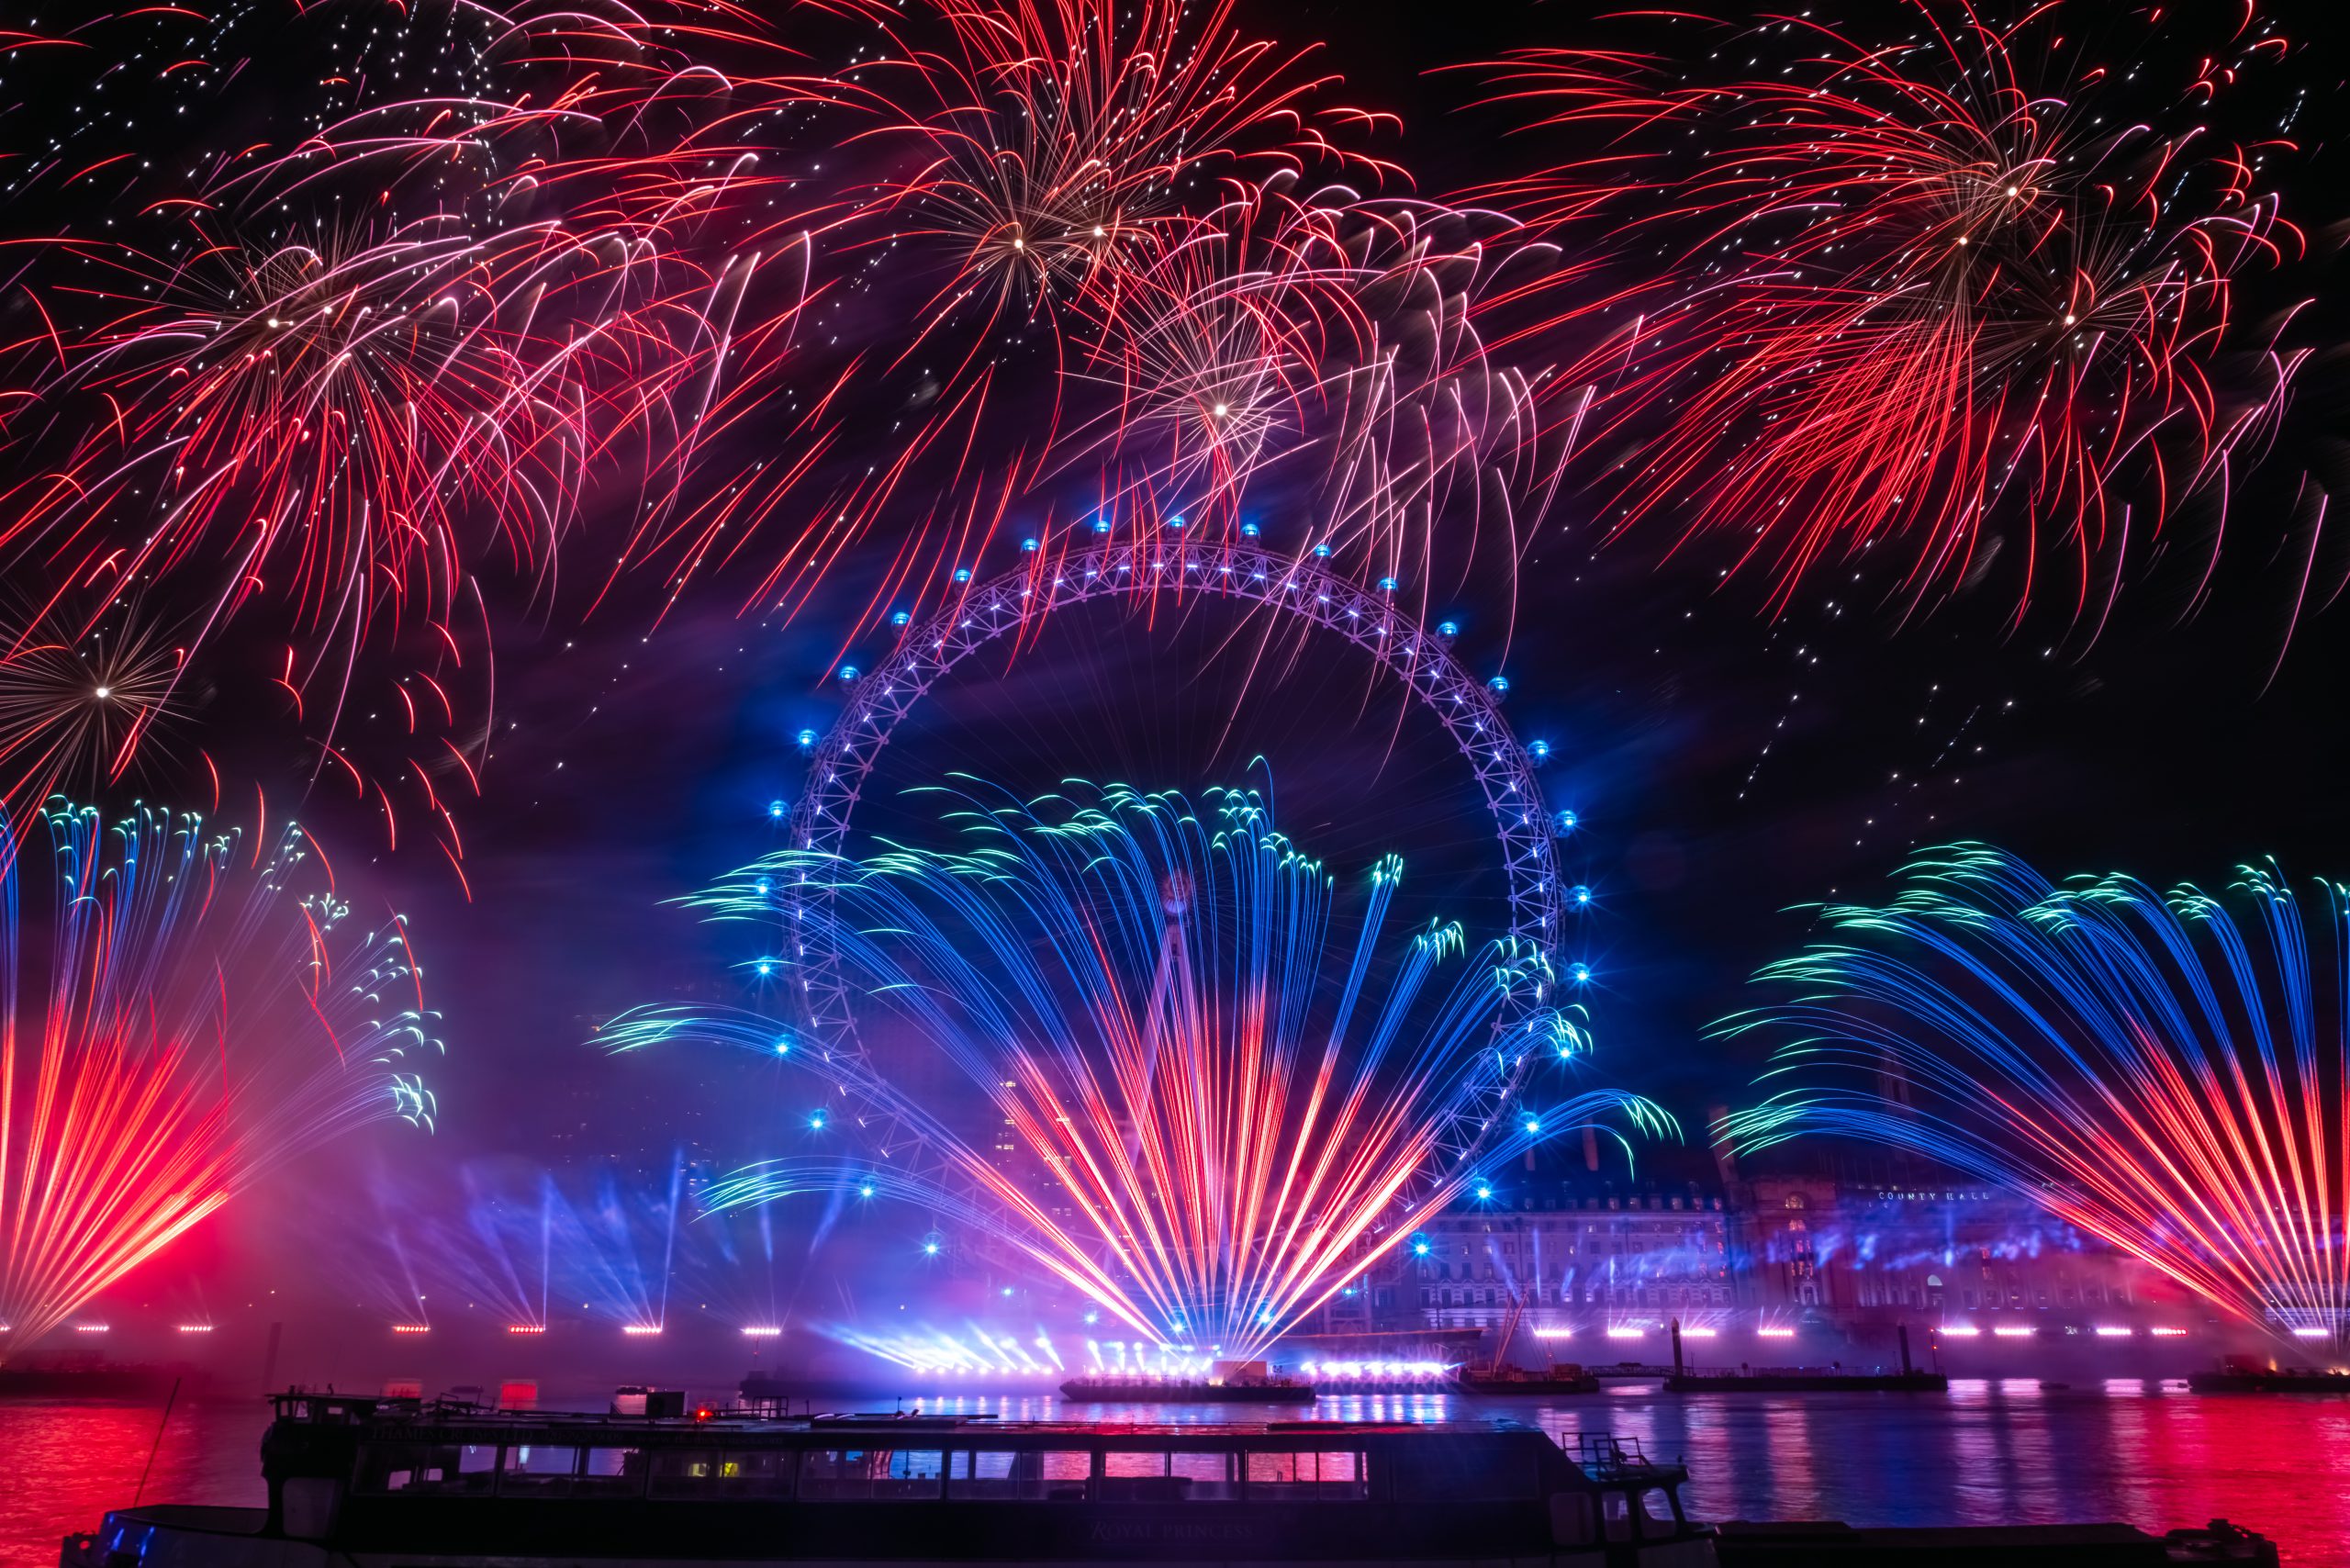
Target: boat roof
410 1413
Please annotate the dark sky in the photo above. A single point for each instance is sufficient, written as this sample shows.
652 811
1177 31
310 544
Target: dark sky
1727 765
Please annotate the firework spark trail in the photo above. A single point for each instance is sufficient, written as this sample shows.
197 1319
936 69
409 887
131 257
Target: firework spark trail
1909 297
207 1014
73 720
2156 1071
1329 335
330 382
1096 214
520 268
1224 1112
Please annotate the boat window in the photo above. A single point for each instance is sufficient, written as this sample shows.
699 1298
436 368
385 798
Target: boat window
756 1473
1324 1477
1207 1477
857 1475
538 1470
1138 1478
1054 1475
682 1472
1465 1470
444 1469
611 1472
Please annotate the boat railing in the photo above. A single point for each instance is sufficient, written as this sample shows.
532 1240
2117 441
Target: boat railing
1604 1456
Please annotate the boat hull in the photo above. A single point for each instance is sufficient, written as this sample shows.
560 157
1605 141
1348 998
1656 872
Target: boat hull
724 1536
174 1536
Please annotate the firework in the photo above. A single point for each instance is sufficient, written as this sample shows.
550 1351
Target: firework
209 1012
1941 293
2165 1073
1203 1107
73 718
321 391
1017 210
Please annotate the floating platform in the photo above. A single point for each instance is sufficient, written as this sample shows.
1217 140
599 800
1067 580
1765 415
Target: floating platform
91 1382
1742 1543
1108 1390
2285 1381
1799 1379
1505 1387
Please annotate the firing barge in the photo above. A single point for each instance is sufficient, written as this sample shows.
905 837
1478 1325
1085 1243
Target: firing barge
2250 1374
1251 1383
1910 1379
1505 1381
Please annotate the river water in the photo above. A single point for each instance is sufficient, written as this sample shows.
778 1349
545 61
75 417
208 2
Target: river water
1989 1452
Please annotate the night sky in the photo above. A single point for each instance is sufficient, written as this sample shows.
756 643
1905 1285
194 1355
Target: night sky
1730 761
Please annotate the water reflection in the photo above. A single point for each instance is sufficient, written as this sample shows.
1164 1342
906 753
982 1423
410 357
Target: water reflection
1989 1452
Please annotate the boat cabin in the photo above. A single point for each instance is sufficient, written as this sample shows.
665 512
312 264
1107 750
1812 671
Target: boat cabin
394 1475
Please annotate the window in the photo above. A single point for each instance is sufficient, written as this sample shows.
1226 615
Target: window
447 1469
683 1472
760 1473
1138 1478
538 1470
1205 1477
611 1472
1323 1477
1055 1475
1468 1469
859 1475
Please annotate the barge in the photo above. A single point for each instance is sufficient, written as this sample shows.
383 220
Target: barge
1506 1381
2288 1380
1169 1391
1910 1379
1251 1382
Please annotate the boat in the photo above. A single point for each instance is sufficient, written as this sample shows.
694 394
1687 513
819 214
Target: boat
356 1482
371 1483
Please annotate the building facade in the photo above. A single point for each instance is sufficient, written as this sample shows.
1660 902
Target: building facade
1575 1256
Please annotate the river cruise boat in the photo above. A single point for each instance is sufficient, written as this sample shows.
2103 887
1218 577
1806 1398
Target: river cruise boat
370 1483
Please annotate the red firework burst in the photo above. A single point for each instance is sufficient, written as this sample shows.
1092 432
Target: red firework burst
971 204
1912 299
